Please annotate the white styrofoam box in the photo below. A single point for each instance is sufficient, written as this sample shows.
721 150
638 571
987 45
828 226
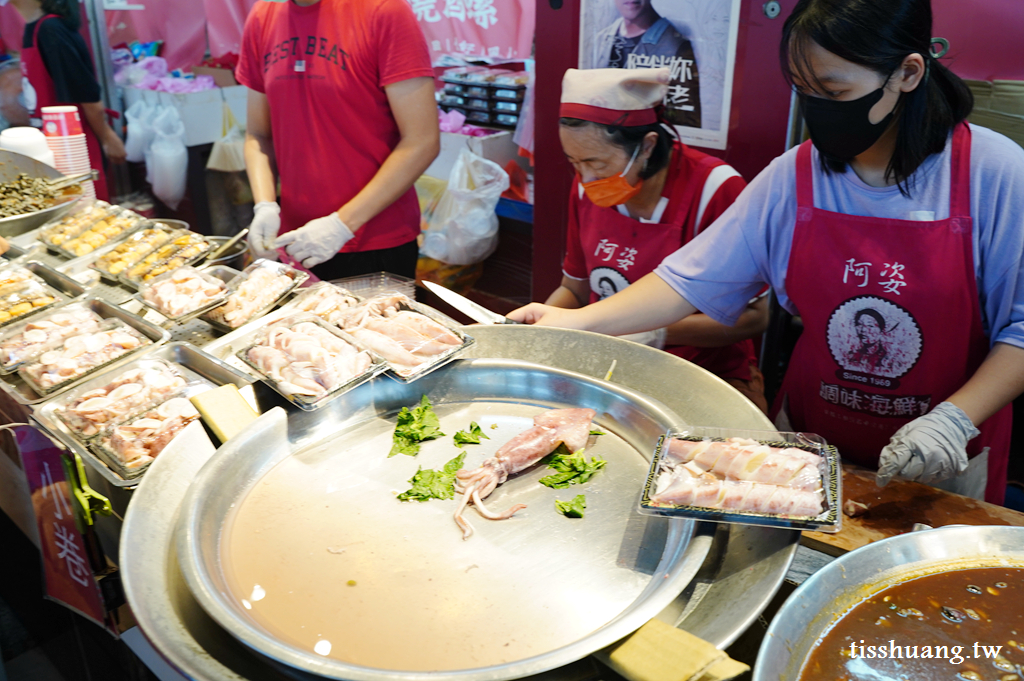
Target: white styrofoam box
201 112
498 147
237 97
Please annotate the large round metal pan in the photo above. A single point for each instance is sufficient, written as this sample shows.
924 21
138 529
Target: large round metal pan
832 591
744 568
13 164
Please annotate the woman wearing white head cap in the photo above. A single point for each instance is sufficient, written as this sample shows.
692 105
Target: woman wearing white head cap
638 196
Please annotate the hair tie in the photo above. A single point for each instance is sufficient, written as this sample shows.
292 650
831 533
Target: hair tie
942 53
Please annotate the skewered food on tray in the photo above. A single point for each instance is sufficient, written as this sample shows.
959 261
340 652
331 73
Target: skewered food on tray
133 249
181 250
259 287
182 291
137 442
88 413
34 336
76 222
100 233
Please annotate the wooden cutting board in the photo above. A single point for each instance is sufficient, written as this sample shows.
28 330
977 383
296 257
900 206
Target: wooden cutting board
895 508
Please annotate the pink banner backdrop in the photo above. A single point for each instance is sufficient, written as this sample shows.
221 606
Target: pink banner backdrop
225 20
181 24
499 29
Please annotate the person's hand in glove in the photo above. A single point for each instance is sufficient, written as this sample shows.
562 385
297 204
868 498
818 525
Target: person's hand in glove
266 222
317 241
930 448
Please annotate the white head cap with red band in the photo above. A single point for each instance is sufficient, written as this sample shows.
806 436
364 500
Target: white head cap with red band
614 96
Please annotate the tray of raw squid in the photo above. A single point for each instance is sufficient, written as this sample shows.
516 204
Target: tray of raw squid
184 293
253 293
27 340
413 339
776 479
327 301
308 361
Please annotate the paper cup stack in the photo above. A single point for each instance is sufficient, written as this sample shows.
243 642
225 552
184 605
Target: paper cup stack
62 126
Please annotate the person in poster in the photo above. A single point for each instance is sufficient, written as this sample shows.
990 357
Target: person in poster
642 38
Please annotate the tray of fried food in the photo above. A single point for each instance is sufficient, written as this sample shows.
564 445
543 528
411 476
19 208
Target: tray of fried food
309 361
83 216
326 300
184 249
133 249
25 297
254 292
102 401
182 293
80 355
27 340
413 339
129 447
102 232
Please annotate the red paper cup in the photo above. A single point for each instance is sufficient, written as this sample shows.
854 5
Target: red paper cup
61 121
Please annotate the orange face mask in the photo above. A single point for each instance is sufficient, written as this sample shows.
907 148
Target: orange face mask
612 191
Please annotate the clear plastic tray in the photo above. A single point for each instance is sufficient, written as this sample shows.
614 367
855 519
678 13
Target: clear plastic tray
329 307
116 226
214 317
186 248
15 350
829 519
311 402
408 375
25 298
132 249
156 380
85 213
31 373
367 285
200 304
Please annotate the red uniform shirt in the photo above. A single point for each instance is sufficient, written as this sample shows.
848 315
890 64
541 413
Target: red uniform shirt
323 69
611 250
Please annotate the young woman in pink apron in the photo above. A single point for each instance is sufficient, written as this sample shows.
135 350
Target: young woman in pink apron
638 197
59 72
897 236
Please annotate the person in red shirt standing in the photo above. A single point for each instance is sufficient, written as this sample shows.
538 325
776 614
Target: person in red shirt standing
341 108
638 197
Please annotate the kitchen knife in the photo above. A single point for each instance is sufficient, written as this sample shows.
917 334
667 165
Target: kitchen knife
466 306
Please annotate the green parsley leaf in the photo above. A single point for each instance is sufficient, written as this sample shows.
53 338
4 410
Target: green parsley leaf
471 436
414 426
597 432
430 484
572 509
570 469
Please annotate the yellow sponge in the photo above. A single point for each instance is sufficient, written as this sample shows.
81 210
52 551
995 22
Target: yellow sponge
659 652
224 410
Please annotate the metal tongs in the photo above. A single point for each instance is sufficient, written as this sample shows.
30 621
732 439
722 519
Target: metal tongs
226 245
68 180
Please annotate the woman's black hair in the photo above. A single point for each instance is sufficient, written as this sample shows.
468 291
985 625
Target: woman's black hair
870 312
629 137
66 9
880 34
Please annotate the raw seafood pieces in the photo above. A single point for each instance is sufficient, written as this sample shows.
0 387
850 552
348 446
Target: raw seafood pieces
80 354
550 429
137 442
326 301
740 475
27 340
182 291
261 287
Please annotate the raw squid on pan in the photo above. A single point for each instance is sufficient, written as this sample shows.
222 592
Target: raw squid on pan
33 337
138 441
130 391
81 354
262 286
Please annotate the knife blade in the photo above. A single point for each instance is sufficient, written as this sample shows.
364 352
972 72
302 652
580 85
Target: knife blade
474 311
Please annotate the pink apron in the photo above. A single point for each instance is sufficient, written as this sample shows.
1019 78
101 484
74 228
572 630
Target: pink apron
34 69
892 322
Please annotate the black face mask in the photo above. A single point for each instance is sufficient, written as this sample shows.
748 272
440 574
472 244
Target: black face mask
841 130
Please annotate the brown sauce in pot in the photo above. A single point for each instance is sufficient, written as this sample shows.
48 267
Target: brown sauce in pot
959 625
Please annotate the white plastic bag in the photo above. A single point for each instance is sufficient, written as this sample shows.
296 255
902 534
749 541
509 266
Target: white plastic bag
228 153
140 130
167 158
464 227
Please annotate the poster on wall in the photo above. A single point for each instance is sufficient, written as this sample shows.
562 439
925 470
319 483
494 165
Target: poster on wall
501 30
696 39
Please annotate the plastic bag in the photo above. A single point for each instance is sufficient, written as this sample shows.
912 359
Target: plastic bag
464 227
167 158
228 153
140 130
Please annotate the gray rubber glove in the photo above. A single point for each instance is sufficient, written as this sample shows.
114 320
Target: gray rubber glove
266 222
930 448
317 241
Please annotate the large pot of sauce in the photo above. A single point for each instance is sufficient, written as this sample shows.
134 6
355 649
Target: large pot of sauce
956 591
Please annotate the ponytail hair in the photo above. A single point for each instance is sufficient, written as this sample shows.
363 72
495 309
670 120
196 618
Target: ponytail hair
67 10
879 35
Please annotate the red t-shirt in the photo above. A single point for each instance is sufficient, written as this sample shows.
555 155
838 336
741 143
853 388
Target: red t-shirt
324 68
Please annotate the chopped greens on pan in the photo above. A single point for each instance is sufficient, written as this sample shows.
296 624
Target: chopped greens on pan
573 508
415 425
471 436
570 469
430 484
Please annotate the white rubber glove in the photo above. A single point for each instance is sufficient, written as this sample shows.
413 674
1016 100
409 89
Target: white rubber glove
266 221
930 448
317 241
656 338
